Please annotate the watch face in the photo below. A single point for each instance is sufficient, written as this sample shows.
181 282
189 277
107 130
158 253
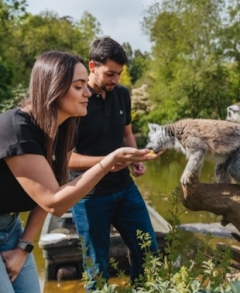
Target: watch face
28 248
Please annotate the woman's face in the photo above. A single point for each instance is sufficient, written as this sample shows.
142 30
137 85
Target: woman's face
76 100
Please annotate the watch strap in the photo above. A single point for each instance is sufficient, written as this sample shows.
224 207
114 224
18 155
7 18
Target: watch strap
25 245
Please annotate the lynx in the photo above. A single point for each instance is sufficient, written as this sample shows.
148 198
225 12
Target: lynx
199 140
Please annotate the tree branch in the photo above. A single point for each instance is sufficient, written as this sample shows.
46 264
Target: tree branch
218 198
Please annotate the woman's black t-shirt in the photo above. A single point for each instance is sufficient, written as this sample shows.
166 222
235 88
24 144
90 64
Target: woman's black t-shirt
18 135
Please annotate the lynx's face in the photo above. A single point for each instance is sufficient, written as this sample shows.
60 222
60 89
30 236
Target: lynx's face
233 113
158 138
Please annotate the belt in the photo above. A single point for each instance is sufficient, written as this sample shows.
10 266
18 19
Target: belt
7 219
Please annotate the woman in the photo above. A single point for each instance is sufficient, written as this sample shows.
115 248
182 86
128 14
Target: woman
35 143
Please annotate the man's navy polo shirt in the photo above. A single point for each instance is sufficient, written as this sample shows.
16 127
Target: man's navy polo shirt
101 132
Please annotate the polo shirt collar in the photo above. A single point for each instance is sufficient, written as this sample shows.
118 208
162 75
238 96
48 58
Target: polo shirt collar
96 94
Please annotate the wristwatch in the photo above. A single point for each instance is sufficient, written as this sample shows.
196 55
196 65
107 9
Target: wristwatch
25 245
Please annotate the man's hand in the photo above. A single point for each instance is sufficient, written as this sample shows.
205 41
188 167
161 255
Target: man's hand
138 169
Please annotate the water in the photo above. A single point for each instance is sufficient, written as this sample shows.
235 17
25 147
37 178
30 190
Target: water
161 178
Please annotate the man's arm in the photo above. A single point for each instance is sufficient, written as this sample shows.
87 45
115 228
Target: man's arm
138 168
78 162
128 138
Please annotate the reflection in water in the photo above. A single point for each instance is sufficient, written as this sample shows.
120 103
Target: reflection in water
161 178
52 286
74 286
63 286
192 243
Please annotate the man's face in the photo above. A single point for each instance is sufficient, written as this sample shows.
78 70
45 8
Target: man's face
107 75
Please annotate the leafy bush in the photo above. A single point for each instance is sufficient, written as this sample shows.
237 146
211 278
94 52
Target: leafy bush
16 96
206 273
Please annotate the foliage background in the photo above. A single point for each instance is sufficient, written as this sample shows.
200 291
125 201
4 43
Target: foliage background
193 68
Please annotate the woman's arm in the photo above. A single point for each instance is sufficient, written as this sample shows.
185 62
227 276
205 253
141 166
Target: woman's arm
34 223
37 179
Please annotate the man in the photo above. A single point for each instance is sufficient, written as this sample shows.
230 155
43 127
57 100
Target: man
115 200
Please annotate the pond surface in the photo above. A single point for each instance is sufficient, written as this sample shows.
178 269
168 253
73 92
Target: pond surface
163 176
160 180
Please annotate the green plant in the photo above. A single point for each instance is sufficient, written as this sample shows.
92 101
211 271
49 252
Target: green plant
17 95
203 274
174 236
89 269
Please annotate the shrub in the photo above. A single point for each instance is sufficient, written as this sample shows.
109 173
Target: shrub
206 273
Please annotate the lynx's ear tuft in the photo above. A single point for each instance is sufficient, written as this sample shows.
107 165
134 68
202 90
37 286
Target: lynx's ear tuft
153 127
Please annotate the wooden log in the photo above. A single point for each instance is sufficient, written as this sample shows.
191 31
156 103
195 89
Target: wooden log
218 198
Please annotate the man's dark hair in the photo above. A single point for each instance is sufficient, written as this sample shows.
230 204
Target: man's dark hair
107 48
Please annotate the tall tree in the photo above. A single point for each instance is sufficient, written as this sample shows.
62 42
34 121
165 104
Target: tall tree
10 12
138 65
125 78
189 75
229 44
137 62
129 52
47 31
6 75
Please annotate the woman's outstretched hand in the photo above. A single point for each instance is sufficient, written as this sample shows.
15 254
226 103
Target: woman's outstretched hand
122 157
152 155
127 154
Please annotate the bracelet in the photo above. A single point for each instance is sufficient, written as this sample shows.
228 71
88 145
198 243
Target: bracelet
102 167
25 241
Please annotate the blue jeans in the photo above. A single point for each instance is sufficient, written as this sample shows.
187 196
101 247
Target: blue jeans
27 281
127 212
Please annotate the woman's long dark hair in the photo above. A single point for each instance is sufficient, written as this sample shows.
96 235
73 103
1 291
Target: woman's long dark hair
50 80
